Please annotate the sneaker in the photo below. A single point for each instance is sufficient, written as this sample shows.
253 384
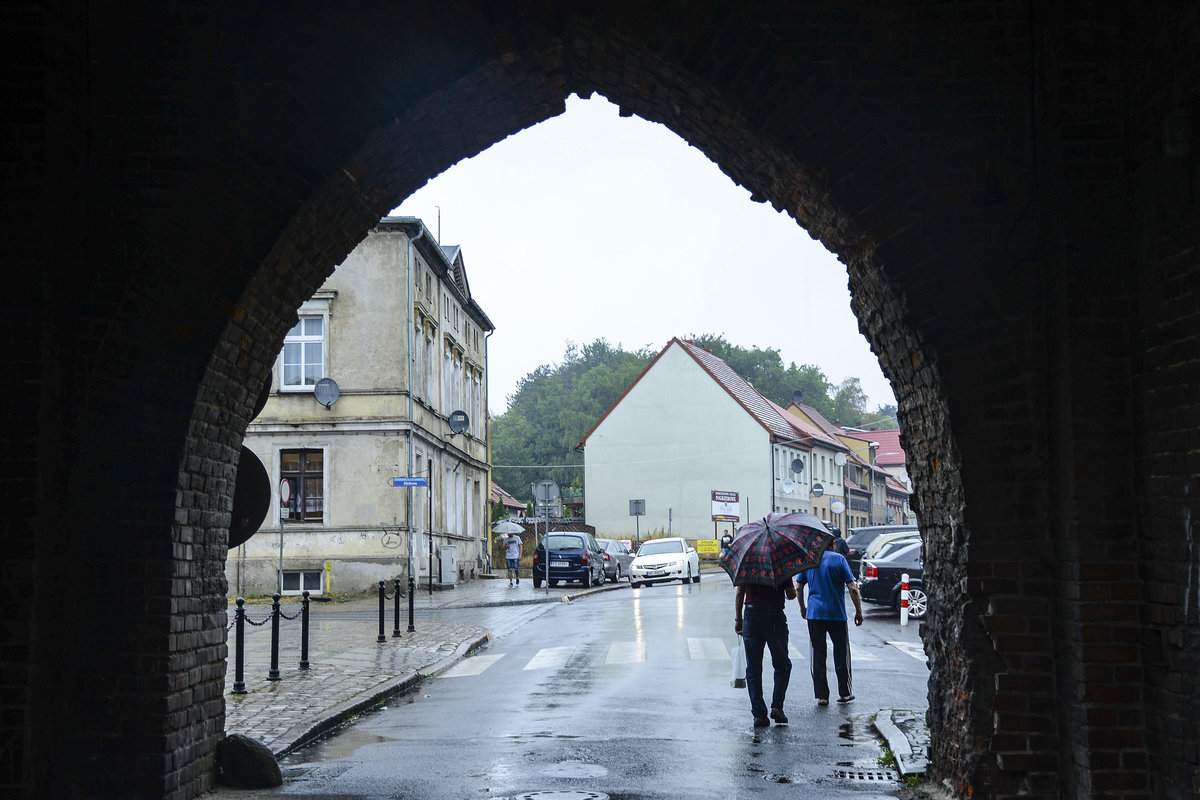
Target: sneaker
518 581
778 715
510 583
761 722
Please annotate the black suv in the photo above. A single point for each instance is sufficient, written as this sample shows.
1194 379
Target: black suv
861 538
574 556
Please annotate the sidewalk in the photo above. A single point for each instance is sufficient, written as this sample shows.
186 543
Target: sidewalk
350 671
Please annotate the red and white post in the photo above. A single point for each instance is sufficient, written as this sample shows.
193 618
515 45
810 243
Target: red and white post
903 599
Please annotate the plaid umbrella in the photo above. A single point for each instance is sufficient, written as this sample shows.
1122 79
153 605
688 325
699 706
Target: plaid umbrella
772 549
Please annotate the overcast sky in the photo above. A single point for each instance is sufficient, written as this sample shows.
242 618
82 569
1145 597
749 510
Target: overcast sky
590 225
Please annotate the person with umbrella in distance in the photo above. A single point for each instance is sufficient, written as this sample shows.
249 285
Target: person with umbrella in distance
512 549
761 562
825 611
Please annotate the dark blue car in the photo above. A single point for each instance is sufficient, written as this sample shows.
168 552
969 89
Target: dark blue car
574 556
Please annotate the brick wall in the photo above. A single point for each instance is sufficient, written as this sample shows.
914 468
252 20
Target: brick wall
1021 257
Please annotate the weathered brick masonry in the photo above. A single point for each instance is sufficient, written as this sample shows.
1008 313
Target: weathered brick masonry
1023 256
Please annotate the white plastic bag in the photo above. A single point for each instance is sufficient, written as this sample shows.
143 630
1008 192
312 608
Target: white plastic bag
738 655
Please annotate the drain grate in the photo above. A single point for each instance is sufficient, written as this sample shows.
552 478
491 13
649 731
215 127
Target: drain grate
865 775
557 795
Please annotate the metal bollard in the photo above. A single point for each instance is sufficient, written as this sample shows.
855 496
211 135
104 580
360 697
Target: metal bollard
397 595
273 673
382 597
904 599
239 648
304 632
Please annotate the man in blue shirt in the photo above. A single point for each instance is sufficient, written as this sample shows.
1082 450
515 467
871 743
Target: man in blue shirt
825 611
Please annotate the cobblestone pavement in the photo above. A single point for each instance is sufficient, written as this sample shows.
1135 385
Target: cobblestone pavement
349 669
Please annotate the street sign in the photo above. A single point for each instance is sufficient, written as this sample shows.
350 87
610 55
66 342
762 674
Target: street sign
410 482
637 508
725 506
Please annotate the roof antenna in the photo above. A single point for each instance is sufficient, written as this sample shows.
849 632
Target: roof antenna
439 208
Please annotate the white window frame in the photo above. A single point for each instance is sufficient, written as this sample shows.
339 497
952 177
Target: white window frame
318 307
319 589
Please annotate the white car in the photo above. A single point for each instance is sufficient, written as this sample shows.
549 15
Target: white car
670 559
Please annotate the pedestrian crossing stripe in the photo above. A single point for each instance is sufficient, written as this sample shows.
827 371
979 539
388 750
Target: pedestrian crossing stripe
626 653
472 666
913 649
707 649
634 652
550 658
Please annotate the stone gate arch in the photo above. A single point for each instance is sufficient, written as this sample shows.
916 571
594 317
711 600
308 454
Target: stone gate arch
1009 186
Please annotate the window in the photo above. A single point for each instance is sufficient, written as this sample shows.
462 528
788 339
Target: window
298 582
305 471
304 354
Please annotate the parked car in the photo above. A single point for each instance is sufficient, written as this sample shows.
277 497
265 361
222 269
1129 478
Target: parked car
883 547
668 559
860 538
617 559
880 582
574 556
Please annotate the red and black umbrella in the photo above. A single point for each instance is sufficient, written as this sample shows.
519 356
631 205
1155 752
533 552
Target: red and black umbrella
773 549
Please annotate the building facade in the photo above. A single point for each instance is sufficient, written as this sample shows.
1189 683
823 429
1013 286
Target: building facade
375 424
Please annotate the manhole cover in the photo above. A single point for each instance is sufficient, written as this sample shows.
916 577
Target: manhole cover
865 775
561 795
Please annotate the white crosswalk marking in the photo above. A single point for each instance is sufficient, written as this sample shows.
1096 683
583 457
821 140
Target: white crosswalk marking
472 666
794 653
858 655
626 653
707 649
550 658
914 649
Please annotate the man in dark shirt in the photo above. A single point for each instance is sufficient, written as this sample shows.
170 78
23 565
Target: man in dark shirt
760 608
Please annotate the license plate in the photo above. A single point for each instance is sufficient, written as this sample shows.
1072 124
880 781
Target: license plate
656 573
560 563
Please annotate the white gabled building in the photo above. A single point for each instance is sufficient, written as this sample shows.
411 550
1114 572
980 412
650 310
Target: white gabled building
687 427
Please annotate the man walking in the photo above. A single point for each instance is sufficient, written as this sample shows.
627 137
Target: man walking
825 611
765 626
512 557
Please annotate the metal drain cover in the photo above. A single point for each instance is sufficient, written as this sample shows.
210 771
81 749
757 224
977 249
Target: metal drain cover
560 795
865 775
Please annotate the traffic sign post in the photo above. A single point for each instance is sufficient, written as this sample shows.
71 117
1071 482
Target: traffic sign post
285 494
544 492
637 508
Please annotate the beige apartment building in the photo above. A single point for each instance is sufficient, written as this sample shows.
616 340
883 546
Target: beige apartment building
375 422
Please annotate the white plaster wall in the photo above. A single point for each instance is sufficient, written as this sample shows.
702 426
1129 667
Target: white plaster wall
672 440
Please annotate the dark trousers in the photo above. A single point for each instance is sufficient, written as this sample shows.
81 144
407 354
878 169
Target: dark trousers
765 628
839 634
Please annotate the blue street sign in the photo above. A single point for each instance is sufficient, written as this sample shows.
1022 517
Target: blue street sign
410 482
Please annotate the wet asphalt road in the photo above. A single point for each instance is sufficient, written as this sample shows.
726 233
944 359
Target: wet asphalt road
624 694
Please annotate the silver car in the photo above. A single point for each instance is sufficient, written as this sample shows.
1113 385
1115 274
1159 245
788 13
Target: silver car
617 559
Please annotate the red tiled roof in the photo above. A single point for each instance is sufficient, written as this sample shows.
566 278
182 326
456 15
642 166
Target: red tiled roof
501 496
890 453
894 485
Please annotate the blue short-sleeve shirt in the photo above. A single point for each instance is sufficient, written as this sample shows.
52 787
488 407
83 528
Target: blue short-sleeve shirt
826 587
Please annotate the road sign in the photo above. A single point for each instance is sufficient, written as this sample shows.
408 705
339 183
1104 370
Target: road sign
410 482
637 508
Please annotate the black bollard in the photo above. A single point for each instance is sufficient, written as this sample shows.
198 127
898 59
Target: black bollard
239 648
411 592
273 673
382 599
396 614
304 632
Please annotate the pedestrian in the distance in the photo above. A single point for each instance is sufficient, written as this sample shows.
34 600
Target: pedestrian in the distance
825 611
759 618
512 557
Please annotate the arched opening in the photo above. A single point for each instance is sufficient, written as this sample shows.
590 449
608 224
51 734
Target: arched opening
766 171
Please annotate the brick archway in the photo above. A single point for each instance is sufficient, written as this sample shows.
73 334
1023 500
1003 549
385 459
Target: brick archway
976 173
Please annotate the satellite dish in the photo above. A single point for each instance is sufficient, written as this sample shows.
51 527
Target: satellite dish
837 506
251 498
459 421
326 392
840 459
818 490
789 486
797 397
797 465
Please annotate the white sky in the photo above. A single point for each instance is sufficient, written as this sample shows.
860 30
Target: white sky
590 225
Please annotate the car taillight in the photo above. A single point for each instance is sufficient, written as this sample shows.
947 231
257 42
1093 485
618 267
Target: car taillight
607 557
584 558
536 557
871 571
